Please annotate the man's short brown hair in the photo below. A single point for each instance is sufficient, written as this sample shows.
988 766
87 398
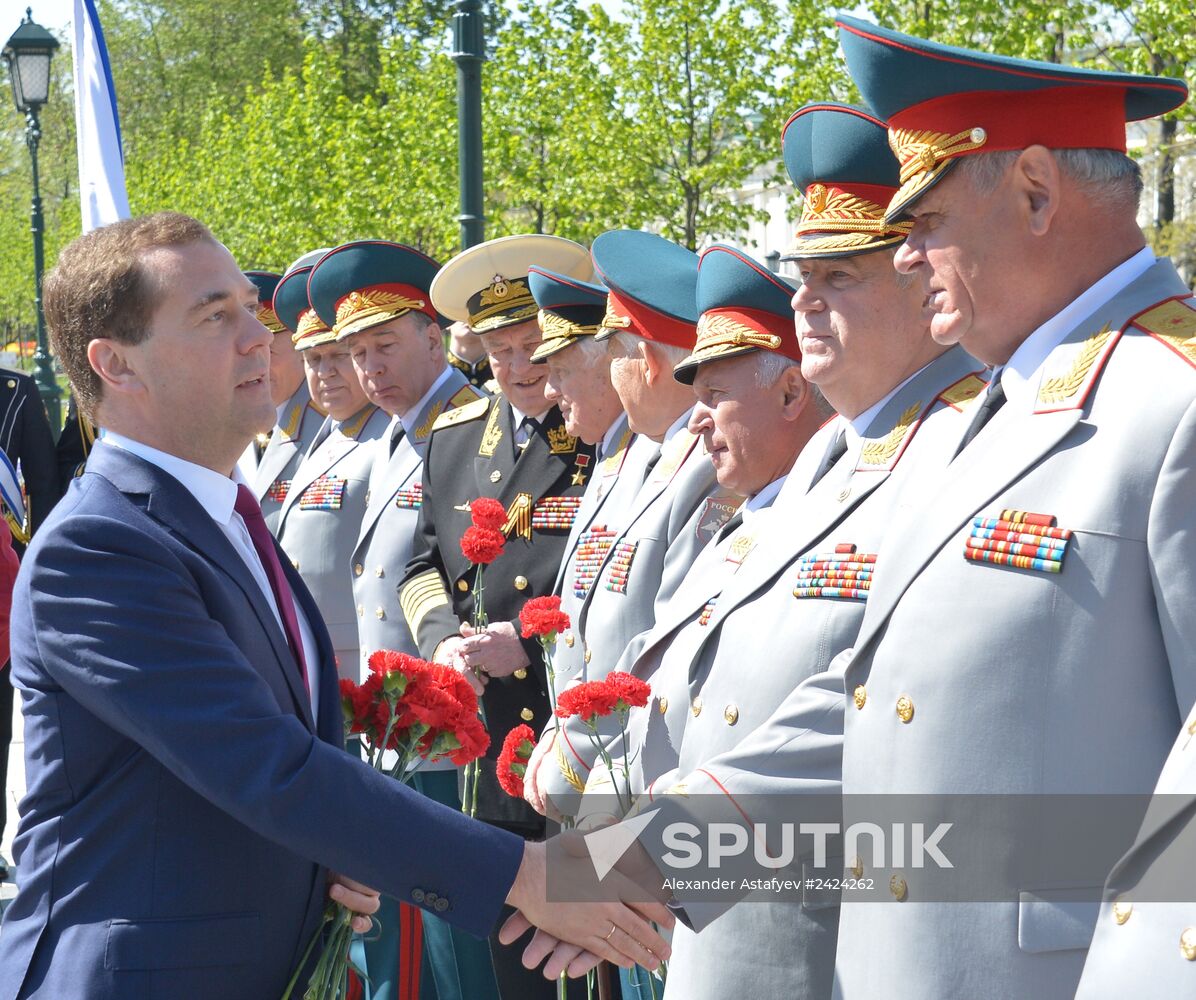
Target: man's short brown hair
99 289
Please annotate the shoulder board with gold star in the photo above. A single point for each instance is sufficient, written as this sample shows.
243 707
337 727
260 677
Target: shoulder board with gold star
1072 369
1172 322
959 394
461 414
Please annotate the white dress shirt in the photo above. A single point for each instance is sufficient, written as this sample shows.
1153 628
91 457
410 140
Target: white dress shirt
217 495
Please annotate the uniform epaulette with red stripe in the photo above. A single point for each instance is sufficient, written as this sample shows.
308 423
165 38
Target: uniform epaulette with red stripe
1173 322
958 394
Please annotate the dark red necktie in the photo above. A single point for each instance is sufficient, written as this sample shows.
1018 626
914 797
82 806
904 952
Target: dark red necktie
251 513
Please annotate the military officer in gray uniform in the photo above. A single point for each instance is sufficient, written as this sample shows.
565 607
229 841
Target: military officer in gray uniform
579 383
376 296
1036 582
514 448
761 611
321 515
298 418
651 326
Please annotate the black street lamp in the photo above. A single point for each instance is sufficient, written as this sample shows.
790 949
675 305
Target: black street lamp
27 56
469 52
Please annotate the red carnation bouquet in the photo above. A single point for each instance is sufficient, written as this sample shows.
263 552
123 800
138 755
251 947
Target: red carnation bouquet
407 712
481 544
615 695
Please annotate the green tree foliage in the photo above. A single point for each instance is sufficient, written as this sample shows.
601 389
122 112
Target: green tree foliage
293 124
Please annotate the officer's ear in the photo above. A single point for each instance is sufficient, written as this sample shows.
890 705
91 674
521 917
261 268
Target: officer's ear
1038 186
795 392
653 364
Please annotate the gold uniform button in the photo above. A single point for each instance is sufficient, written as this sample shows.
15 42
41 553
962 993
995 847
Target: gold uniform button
527 715
463 585
521 674
898 888
588 656
731 714
1122 911
358 569
379 613
12 383
664 705
521 583
360 611
495 476
367 498
379 572
857 866
1187 944
860 695
905 708
569 640
295 563
696 706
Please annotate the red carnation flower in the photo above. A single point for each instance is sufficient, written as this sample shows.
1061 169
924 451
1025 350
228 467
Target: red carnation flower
488 513
593 699
512 761
633 692
542 616
482 546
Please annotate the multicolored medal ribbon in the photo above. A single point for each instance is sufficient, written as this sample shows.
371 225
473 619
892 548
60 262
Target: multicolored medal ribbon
555 513
326 493
1019 539
410 498
591 552
278 490
844 574
620 567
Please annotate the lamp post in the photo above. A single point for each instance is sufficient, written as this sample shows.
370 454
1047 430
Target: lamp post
27 55
469 52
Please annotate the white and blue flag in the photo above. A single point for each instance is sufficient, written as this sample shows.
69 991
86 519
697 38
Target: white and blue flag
101 161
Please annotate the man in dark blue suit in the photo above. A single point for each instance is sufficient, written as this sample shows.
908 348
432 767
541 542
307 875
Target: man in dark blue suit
188 793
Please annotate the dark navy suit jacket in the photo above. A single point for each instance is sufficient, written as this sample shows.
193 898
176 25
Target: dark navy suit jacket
182 805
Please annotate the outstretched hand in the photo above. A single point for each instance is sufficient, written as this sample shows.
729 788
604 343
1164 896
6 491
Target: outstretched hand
610 919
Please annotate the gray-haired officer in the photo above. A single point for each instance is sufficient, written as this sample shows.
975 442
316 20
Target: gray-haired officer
321 514
778 597
1037 582
651 326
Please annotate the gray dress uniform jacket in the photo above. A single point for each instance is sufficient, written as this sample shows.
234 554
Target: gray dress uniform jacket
605 511
1145 940
289 441
677 511
387 530
740 634
321 517
977 677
